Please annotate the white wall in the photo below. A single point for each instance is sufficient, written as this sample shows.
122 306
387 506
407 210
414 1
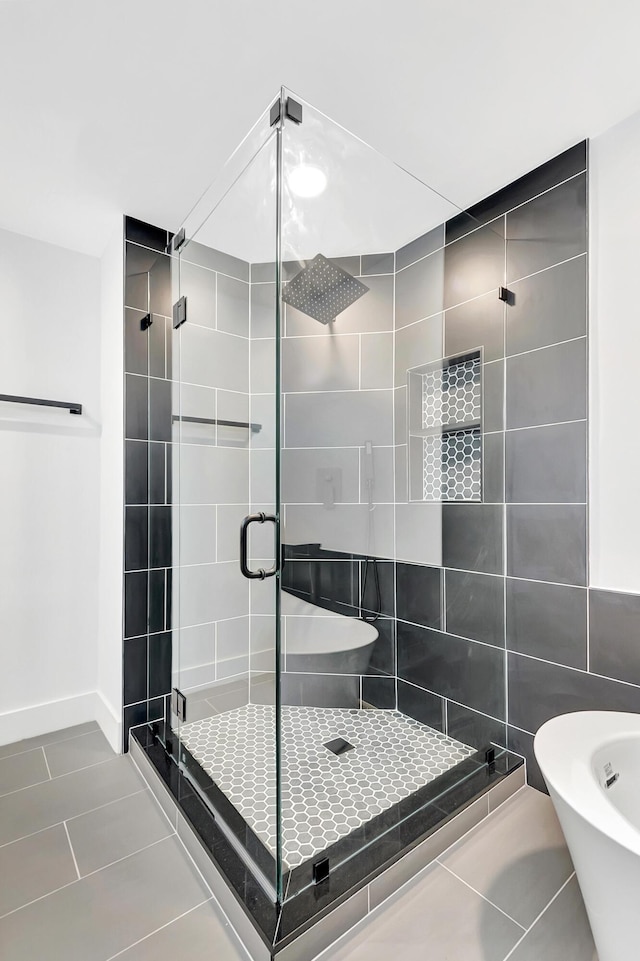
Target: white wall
49 472
615 354
111 494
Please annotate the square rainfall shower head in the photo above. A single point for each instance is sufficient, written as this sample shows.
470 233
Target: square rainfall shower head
323 290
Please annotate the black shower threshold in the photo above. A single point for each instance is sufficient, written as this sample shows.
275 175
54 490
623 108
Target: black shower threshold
280 925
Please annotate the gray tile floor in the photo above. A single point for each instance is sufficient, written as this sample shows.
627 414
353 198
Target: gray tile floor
90 870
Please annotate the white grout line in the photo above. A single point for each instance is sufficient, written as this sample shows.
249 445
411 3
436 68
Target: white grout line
35 747
44 754
157 930
480 895
99 807
539 916
73 853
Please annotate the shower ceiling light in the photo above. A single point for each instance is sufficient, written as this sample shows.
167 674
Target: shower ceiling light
305 180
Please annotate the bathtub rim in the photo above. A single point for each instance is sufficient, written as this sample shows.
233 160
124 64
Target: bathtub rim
565 747
364 632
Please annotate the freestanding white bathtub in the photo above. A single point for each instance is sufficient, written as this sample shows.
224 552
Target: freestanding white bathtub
317 641
591 763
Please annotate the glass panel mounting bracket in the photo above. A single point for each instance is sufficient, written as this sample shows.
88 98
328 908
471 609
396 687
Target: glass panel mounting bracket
179 704
292 111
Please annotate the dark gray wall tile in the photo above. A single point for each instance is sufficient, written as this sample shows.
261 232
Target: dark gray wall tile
376 575
466 671
539 691
160 537
321 363
320 690
135 670
493 396
160 427
159 664
418 594
419 290
383 656
549 307
420 247
195 253
136 538
136 407
547 621
474 264
476 730
522 743
547 465
472 537
614 634
135 604
547 386
339 419
547 230
493 467
136 352
380 692
475 606
158 342
139 232
422 705
478 323
547 543
136 456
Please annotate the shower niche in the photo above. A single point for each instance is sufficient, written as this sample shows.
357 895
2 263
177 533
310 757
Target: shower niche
444 417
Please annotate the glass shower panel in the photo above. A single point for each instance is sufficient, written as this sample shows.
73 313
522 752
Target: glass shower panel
225 407
363 300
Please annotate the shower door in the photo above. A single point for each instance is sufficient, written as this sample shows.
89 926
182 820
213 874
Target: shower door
225 417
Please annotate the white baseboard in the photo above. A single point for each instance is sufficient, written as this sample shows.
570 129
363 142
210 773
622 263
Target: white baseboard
110 723
55 715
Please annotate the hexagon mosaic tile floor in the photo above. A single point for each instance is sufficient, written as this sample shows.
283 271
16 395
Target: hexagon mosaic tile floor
324 796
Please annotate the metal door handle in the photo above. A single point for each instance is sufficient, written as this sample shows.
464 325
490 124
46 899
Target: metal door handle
244 529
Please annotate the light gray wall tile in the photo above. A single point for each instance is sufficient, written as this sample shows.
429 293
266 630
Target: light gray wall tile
198 285
547 465
232 646
474 264
263 412
302 472
378 263
196 253
547 386
197 534
382 491
351 528
211 592
420 290
417 344
213 359
263 310
547 621
337 419
320 363
549 307
263 366
419 533
376 360
213 475
233 306
547 543
493 467
228 530
478 323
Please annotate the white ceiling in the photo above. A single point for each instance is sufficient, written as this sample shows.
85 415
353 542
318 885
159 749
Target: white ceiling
112 106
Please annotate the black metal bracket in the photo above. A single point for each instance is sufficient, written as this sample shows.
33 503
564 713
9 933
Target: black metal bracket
506 295
37 402
490 758
179 704
146 322
179 312
320 870
179 239
292 111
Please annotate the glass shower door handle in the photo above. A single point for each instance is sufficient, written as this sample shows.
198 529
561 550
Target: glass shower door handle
261 573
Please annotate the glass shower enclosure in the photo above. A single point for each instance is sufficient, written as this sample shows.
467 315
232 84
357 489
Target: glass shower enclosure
312 448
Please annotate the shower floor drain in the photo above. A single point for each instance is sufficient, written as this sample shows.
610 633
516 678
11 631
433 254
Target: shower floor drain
339 746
